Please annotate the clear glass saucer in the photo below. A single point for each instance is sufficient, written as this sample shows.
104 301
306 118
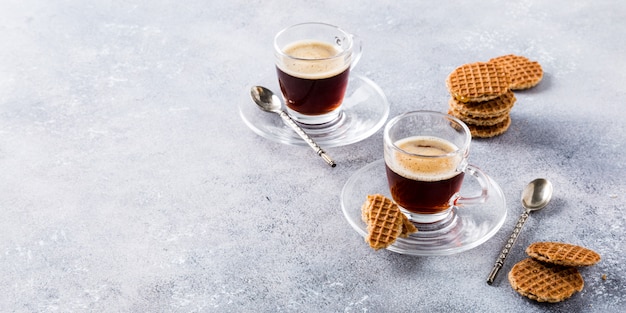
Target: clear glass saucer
365 110
471 226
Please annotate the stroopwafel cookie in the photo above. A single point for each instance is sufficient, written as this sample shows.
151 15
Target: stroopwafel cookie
485 109
479 81
407 227
562 254
385 222
545 282
523 72
478 131
476 120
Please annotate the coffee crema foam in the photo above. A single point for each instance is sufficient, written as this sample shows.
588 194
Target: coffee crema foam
422 163
314 60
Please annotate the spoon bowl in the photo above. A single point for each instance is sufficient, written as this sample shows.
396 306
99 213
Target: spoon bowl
537 194
265 99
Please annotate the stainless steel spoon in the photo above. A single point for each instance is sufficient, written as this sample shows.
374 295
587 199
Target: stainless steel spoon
269 102
535 197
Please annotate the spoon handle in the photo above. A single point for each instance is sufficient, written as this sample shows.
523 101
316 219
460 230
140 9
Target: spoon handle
287 119
507 247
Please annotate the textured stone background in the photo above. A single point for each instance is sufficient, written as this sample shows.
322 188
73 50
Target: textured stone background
129 183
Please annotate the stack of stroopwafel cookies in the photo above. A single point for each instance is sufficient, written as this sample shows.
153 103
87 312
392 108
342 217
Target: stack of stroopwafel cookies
551 273
482 92
385 222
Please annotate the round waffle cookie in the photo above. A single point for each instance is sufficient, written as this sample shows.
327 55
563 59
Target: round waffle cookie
479 81
545 282
476 120
524 73
385 222
485 109
479 131
562 254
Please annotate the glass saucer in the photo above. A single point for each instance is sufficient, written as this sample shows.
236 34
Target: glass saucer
365 110
472 224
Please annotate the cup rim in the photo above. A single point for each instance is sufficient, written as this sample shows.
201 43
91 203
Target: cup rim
463 149
280 52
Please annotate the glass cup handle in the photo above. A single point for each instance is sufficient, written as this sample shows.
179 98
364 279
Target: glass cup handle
484 184
357 50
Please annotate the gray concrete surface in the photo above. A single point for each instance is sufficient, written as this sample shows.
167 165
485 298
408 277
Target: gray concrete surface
129 182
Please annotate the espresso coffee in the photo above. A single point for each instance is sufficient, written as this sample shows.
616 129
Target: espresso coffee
312 79
425 179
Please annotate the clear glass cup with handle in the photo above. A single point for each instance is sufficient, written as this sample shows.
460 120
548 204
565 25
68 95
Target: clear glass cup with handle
313 63
426 160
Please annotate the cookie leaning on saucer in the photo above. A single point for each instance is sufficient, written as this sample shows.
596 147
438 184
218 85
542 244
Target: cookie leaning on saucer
562 254
479 81
407 227
524 73
385 222
545 282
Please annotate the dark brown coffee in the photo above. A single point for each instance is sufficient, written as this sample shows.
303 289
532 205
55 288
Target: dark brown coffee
312 81
425 179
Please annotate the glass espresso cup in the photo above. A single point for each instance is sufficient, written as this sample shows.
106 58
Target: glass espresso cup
426 161
313 62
